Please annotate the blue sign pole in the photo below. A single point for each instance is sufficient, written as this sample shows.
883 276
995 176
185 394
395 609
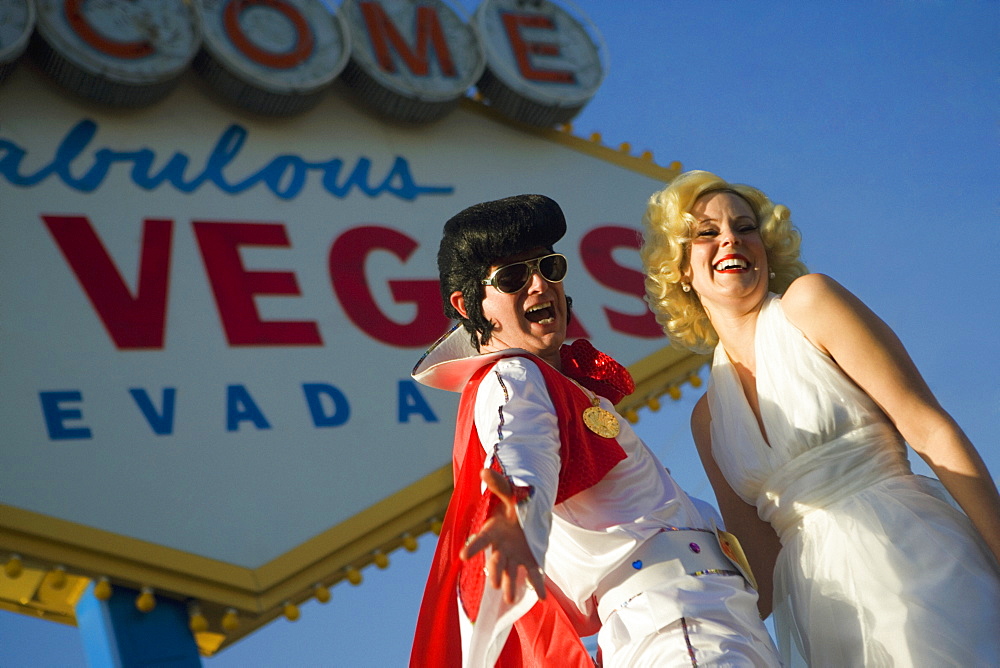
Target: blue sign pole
116 634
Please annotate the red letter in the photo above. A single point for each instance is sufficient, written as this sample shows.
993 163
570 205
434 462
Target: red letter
347 274
381 29
596 250
96 39
523 49
235 287
283 60
132 322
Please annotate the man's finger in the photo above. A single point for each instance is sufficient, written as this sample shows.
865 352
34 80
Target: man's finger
496 570
473 544
509 586
498 485
537 579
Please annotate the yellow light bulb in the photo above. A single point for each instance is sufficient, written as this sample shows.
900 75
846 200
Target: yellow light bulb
14 567
291 611
102 590
322 593
381 560
198 623
57 578
410 543
230 620
145 601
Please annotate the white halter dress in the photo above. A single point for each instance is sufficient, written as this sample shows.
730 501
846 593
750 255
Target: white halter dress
877 566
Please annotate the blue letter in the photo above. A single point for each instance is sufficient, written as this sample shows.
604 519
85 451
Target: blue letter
162 423
411 401
341 409
55 415
240 406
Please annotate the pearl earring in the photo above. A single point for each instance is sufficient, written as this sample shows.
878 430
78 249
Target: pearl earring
771 275
685 287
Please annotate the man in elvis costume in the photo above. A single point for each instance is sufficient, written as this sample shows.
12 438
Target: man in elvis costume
562 522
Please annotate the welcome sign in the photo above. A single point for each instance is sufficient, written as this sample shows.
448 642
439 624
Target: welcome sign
208 321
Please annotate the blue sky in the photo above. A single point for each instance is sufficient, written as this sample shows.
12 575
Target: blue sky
876 123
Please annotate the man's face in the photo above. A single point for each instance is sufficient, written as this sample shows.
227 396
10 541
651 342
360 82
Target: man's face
534 318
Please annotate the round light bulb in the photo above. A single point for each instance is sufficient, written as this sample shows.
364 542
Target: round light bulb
57 578
145 601
102 590
14 567
230 620
197 622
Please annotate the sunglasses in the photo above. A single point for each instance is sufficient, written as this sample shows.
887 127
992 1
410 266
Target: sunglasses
512 278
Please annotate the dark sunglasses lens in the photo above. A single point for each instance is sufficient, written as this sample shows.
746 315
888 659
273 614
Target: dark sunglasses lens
553 268
512 277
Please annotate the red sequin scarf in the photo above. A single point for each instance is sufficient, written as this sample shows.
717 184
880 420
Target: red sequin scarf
596 371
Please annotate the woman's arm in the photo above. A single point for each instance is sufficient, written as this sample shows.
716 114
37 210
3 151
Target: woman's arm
758 539
870 353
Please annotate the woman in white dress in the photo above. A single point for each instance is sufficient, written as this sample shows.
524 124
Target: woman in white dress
803 432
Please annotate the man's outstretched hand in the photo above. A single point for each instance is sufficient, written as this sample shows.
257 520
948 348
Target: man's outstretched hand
511 559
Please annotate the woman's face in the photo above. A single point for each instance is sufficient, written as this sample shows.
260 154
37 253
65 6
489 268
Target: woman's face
728 261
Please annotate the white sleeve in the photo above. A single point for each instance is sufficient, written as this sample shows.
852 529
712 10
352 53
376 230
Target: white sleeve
517 425
708 513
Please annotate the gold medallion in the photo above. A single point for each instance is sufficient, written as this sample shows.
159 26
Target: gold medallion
601 422
596 419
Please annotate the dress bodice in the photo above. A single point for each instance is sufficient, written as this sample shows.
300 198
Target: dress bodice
825 437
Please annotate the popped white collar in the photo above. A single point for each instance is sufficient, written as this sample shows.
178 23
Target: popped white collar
451 360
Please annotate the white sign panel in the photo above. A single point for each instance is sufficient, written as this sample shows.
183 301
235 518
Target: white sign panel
208 320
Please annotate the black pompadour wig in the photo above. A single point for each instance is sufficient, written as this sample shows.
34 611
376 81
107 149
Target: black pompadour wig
479 236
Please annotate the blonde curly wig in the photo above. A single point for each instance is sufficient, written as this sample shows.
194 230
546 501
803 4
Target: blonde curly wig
668 228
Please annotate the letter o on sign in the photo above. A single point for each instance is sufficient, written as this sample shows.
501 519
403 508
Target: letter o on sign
273 57
301 48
